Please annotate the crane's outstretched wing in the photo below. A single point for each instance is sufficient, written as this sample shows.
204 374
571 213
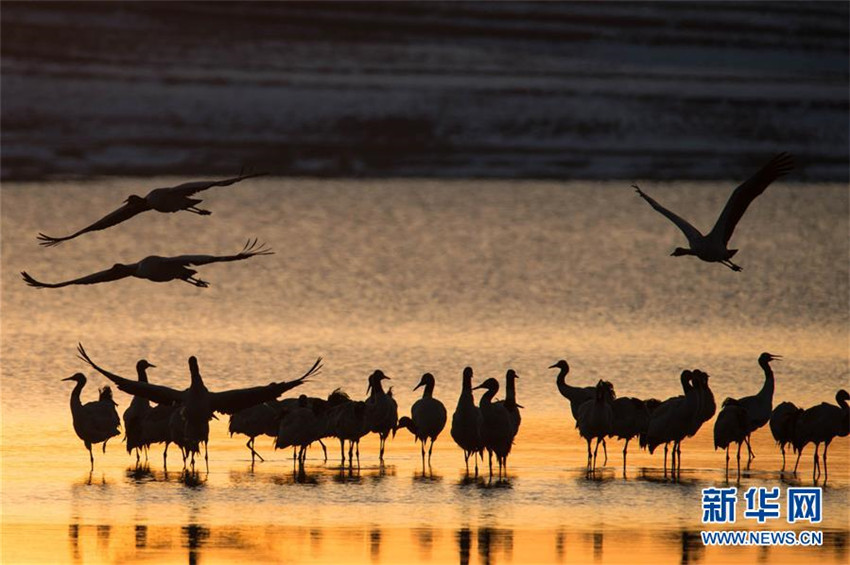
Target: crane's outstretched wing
189 188
251 249
125 212
230 401
113 274
156 393
742 196
690 231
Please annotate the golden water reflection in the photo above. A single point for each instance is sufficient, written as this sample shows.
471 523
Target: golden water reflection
197 543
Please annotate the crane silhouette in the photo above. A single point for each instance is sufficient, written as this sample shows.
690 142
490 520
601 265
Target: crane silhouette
300 427
712 247
170 199
198 403
671 421
94 422
497 427
731 427
630 419
577 395
262 419
157 269
783 420
595 419
427 416
820 425
381 414
466 422
760 406
135 415
510 400
346 421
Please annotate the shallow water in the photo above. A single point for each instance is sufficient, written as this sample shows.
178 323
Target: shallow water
413 276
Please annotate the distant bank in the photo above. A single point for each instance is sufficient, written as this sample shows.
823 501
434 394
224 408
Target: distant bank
509 90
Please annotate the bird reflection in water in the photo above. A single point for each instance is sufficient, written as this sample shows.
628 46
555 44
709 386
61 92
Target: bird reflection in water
693 549
141 536
375 544
491 540
425 541
464 544
195 537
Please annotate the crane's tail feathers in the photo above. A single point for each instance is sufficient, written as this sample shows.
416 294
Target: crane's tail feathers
47 241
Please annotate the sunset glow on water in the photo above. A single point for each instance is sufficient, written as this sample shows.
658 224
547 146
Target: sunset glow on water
412 276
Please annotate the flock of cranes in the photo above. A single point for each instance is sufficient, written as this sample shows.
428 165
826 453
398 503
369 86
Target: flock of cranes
182 416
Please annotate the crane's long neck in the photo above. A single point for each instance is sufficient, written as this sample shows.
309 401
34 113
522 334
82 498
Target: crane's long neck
566 390
143 374
76 403
768 386
487 397
510 390
466 396
429 390
197 381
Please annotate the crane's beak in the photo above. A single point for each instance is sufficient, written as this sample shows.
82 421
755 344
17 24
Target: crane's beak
369 388
775 357
477 387
71 378
555 366
384 377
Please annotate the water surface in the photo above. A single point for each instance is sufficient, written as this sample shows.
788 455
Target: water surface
412 276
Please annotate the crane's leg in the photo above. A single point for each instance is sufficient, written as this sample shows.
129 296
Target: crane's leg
604 451
665 460
673 461
196 281
625 454
490 455
799 454
727 463
589 456
324 450
198 211
165 457
782 449
147 452
739 462
595 451
138 457
678 458
816 464
91 455
430 449
825 467
731 265
750 453
342 453
357 451
422 443
351 454
466 461
475 459
505 459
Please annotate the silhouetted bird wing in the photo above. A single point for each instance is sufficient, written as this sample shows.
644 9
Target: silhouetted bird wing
690 231
114 273
155 393
251 249
189 188
123 213
230 401
747 192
